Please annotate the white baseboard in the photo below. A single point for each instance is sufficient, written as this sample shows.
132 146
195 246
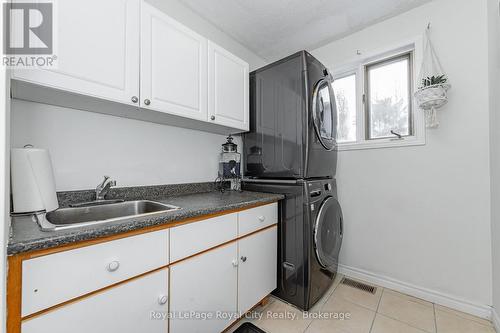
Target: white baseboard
495 319
479 310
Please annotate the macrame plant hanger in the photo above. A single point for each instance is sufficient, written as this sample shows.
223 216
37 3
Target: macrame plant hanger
432 83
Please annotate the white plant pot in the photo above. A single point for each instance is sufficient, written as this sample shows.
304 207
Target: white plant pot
432 97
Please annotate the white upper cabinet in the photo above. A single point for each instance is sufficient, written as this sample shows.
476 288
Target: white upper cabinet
227 88
97 50
130 52
173 66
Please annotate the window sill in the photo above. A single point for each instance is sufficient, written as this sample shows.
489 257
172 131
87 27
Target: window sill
382 143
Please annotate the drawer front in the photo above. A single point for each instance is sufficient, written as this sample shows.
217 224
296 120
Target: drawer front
126 308
189 239
257 218
55 278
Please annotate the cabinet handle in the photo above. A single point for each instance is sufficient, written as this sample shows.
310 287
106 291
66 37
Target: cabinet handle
243 258
212 117
162 299
147 101
262 218
135 99
235 263
113 266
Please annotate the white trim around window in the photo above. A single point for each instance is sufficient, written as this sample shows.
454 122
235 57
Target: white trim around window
358 68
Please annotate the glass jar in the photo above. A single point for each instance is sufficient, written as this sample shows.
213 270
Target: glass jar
230 163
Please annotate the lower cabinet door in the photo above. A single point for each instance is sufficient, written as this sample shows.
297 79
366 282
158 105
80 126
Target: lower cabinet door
140 305
258 267
203 291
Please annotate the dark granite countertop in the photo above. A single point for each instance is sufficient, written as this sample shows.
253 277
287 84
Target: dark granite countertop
27 236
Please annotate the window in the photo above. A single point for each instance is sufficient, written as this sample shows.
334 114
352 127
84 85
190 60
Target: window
375 104
387 98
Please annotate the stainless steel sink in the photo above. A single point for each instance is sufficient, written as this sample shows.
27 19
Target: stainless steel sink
75 217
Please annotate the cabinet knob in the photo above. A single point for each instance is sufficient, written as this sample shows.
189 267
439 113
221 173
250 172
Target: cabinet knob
235 263
212 117
162 299
147 101
113 266
243 258
262 218
135 99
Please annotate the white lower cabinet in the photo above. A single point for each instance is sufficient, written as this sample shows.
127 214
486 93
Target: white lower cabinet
257 268
53 279
189 239
126 286
204 285
126 308
225 281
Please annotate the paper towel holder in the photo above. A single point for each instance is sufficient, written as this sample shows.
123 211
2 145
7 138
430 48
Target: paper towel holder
32 182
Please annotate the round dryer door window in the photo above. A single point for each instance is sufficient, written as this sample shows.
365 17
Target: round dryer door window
328 233
324 114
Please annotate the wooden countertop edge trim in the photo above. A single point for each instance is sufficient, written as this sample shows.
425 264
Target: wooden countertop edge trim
13 293
73 300
103 239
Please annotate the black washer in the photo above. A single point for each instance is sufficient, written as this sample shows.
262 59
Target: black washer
310 230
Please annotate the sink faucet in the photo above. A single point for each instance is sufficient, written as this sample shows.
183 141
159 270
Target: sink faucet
103 188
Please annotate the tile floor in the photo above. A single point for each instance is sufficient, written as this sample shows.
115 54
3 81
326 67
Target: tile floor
385 312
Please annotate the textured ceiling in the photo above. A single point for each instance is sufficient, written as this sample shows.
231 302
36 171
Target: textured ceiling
276 28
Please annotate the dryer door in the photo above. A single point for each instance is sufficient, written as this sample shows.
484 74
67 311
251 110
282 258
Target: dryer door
328 232
324 114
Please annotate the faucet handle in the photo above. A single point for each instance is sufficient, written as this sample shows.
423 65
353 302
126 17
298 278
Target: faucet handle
103 188
104 181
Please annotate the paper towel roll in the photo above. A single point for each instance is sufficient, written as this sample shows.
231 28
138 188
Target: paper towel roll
32 177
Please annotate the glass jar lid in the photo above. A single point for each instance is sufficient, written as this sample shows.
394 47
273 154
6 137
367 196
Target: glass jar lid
229 146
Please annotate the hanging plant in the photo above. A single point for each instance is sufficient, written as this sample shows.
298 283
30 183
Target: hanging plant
433 91
433 80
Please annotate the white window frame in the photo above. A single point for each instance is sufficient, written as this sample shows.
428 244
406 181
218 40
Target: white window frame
358 68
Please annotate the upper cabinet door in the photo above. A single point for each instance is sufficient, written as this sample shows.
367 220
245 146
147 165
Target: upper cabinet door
173 66
97 50
228 88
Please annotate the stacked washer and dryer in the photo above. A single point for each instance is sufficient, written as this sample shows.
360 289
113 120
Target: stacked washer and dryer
291 149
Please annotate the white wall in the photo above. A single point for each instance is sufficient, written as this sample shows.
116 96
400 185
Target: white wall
85 146
420 216
494 70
